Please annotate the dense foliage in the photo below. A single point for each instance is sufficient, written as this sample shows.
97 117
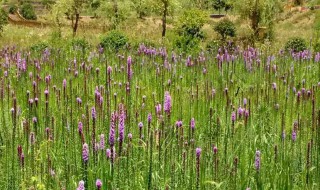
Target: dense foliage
296 44
114 40
189 30
12 9
225 28
27 11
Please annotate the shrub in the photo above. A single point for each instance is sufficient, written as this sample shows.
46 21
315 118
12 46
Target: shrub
225 28
212 46
114 40
27 11
187 44
39 47
190 23
3 19
316 47
80 44
12 9
95 4
296 44
189 30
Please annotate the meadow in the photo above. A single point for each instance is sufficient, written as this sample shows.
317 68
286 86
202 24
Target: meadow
149 118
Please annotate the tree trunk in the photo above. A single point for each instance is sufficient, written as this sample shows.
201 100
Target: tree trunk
164 17
75 26
116 13
255 19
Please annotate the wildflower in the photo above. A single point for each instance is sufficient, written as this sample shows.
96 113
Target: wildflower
112 128
80 127
93 113
98 184
294 136
167 102
81 185
274 86
130 136
233 116
101 142
32 138
108 153
85 153
215 150
64 83
192 124
149 118
257 162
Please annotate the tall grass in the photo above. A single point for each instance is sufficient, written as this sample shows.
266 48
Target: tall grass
246 119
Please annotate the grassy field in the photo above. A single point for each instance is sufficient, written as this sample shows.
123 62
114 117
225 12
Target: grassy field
148 116
135 122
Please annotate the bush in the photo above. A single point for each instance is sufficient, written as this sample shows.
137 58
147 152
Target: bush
188 44
39 47
13 9
3 19
316 47
225 28
80 44
212 46
114 40
296 44
189 30
190 23
95 4
27 11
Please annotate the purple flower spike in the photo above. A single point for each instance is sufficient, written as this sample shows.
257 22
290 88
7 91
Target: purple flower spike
198 152
233 116
80 127
64 83
101 142
98 184
244 101
121 123
93 113
130 136
32 138
257 162
85 153
109 69
167 102
215 150
192 124
149 118
140 125
81 185
108 153
112 130
158 108
294 136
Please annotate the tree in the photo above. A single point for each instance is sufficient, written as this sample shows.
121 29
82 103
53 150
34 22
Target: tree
222 4
258 12
164 16
114 12
141 7
71 8
164 8
218 5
